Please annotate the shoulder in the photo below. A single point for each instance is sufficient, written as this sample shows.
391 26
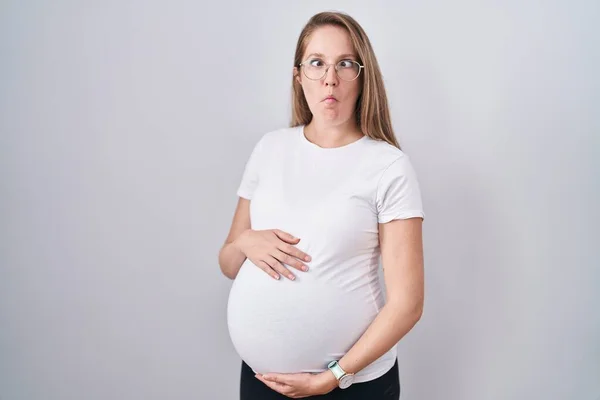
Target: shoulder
382 155
278 137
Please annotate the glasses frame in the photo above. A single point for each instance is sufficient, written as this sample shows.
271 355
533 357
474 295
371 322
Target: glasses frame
360 67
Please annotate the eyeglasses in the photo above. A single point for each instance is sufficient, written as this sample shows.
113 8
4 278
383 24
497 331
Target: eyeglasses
315 69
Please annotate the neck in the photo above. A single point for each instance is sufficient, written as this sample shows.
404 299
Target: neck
328 135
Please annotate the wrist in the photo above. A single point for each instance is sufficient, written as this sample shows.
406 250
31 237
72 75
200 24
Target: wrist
344 378
347 368
236 243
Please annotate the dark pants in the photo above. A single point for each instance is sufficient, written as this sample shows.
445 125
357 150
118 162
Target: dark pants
386 387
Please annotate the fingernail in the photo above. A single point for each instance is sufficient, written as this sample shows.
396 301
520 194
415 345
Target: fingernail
304 268
276 276
307 258
292 277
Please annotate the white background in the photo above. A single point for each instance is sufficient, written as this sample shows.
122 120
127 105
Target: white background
124 129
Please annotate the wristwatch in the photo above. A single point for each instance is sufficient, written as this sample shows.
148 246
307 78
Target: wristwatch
344 379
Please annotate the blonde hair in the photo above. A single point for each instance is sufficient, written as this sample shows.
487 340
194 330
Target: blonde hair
372 111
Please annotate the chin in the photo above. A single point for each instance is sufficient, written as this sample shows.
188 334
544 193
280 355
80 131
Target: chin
334 116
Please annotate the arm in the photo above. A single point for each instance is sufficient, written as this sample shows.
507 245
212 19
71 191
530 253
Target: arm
402 258
267 249
230 257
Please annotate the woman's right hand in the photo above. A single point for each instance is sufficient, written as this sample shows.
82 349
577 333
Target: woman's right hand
270 249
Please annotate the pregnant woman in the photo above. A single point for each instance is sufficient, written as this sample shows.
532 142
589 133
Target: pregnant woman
320 204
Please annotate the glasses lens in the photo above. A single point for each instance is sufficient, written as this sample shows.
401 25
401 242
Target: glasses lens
347 70
314 69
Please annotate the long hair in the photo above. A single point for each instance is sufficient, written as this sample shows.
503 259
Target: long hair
372 111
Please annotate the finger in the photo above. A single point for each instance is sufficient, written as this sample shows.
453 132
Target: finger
290 384
286 237
281 378
278 267
281 388
289 260
267 268
294 251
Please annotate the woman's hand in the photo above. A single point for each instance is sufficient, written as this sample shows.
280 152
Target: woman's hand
300 385
270 249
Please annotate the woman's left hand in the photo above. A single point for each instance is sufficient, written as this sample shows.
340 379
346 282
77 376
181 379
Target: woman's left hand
300 385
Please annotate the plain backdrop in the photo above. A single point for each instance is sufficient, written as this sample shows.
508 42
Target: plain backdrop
124 130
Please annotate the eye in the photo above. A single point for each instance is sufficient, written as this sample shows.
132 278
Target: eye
315 62
346 64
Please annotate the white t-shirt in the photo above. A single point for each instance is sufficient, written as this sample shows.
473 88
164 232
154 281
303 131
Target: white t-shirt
332 199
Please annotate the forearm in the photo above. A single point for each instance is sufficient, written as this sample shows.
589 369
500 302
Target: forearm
391 324
231 260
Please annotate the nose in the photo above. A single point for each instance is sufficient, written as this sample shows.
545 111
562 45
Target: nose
331 78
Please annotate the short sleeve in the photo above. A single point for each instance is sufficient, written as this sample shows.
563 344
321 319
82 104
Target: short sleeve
398 192
251 173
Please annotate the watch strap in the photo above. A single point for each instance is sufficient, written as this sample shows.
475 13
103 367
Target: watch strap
334 367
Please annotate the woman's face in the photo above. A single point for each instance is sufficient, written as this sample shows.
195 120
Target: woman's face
329 45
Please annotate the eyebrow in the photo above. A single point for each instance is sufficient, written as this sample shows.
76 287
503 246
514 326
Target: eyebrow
347 55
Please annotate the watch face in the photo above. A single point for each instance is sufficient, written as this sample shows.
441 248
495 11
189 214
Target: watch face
346 381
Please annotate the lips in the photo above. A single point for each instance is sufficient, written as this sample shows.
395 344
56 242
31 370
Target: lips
330 99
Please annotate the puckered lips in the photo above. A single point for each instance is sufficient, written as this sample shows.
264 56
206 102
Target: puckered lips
330 99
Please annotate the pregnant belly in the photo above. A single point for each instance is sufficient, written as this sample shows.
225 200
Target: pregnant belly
293 326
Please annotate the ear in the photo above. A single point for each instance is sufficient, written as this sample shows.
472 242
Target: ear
297 76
